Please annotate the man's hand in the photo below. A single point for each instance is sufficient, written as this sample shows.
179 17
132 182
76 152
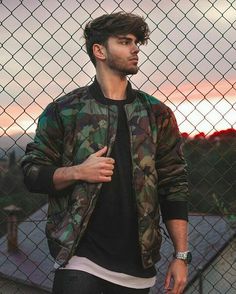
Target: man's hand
177 273
95 169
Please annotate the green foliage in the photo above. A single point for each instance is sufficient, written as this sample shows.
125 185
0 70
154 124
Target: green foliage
211 165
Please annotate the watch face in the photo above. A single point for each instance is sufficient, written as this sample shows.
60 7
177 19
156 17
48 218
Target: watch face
189 257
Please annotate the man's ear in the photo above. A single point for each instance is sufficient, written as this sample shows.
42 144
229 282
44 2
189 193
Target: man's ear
99 51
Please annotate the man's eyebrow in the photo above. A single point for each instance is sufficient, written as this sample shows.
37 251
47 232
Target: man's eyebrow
120 37
124 37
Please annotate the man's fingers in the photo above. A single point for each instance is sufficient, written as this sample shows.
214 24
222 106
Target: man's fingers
100 152
104 179
167 281
108 164
107 172
98 168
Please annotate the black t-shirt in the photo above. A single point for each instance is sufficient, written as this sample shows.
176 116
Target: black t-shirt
111 238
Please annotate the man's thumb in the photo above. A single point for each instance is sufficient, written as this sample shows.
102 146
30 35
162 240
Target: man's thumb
101 152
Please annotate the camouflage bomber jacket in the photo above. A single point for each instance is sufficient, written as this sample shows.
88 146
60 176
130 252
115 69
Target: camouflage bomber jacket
77 125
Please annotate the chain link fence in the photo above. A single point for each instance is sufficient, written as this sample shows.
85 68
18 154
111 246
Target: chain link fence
189 63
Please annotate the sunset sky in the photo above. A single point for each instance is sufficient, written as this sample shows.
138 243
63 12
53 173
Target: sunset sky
189 62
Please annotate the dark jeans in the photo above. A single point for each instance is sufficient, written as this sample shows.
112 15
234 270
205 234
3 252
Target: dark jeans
79 282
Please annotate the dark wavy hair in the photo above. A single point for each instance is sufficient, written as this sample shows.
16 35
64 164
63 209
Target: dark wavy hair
98 31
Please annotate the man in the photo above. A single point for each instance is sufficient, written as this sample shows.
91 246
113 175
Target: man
109 156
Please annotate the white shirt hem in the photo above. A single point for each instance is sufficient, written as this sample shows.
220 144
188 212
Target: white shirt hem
86 265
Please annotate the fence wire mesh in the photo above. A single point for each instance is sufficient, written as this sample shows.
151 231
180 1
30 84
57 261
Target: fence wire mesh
189 63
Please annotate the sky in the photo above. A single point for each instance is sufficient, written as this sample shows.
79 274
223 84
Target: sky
189 62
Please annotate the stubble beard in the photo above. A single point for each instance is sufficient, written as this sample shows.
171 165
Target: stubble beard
120 68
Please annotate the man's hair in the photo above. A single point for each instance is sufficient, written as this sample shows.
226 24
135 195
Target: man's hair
100 29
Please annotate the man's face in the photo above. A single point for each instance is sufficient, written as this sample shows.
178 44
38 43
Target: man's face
122 54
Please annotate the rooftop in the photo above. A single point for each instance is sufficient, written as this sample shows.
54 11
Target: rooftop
33 265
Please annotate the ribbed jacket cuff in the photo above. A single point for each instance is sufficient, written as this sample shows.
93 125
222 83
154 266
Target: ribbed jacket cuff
174 210
45 179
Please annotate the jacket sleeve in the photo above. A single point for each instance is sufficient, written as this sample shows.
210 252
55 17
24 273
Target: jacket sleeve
43 155
171 167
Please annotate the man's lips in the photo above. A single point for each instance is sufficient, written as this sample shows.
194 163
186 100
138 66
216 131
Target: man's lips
134 59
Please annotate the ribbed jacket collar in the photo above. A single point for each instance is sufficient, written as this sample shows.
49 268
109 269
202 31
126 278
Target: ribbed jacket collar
97 94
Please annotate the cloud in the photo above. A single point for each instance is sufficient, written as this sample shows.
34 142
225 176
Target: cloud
189 58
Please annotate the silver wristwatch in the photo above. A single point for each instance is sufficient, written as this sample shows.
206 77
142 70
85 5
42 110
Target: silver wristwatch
184 255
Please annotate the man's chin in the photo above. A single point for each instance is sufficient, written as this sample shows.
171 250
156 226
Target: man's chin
133 71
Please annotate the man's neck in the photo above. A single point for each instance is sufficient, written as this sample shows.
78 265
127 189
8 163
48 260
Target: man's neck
113 86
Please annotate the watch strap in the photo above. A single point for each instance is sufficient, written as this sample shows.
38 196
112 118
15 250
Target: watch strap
183 255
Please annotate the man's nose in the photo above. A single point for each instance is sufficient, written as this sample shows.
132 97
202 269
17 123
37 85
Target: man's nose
135 48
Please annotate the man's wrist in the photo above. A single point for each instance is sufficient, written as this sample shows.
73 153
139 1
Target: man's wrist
186 256
63 177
